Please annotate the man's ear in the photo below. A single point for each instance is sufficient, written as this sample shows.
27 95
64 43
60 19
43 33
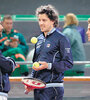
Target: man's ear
53 22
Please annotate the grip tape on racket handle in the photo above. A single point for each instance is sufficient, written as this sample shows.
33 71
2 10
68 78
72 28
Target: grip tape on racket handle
26 92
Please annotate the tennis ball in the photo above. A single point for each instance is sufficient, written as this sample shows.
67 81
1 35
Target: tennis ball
34 40
36 64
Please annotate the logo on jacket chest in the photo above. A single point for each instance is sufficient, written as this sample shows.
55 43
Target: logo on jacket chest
48 45
39 44
45 44
67 50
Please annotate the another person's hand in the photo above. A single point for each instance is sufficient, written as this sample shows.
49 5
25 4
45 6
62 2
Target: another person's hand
28 89
7 42
14 44
43 65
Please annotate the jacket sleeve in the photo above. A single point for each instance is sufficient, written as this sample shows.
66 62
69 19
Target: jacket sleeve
66 61
7 65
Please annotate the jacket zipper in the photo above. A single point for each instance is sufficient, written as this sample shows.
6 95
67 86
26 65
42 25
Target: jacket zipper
42 48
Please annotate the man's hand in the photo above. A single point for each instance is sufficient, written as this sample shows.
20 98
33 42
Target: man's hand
27 89
14 44
7 42
43 65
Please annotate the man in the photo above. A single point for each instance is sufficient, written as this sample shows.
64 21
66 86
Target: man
17 54
8 33
7 65
53 53
88 30
13 44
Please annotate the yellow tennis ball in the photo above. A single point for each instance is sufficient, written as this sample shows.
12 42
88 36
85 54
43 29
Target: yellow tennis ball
34 40
36 64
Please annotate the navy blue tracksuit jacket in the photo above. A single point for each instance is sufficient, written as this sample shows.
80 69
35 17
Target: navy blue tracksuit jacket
6 67
54 49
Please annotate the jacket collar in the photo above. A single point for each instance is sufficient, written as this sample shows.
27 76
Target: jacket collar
4 31
51 31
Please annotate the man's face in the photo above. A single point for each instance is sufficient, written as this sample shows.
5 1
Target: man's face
7 24
45 23
88 32
1 28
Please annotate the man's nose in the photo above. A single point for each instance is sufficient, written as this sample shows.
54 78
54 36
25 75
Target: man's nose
87 32
2 27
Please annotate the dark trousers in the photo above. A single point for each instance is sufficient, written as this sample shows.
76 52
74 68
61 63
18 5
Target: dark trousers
52 93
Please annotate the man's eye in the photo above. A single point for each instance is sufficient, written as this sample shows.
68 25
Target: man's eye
39 20
44 20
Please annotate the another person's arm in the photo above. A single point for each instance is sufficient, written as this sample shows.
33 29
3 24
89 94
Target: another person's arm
7 65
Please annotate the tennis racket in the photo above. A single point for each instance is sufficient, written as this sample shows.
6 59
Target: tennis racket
33 83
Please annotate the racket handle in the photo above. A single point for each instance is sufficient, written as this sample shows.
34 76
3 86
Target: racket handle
26 92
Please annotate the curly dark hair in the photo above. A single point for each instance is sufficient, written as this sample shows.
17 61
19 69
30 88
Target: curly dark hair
50 11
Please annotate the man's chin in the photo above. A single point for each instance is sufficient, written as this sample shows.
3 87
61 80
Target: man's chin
8 31
42 30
